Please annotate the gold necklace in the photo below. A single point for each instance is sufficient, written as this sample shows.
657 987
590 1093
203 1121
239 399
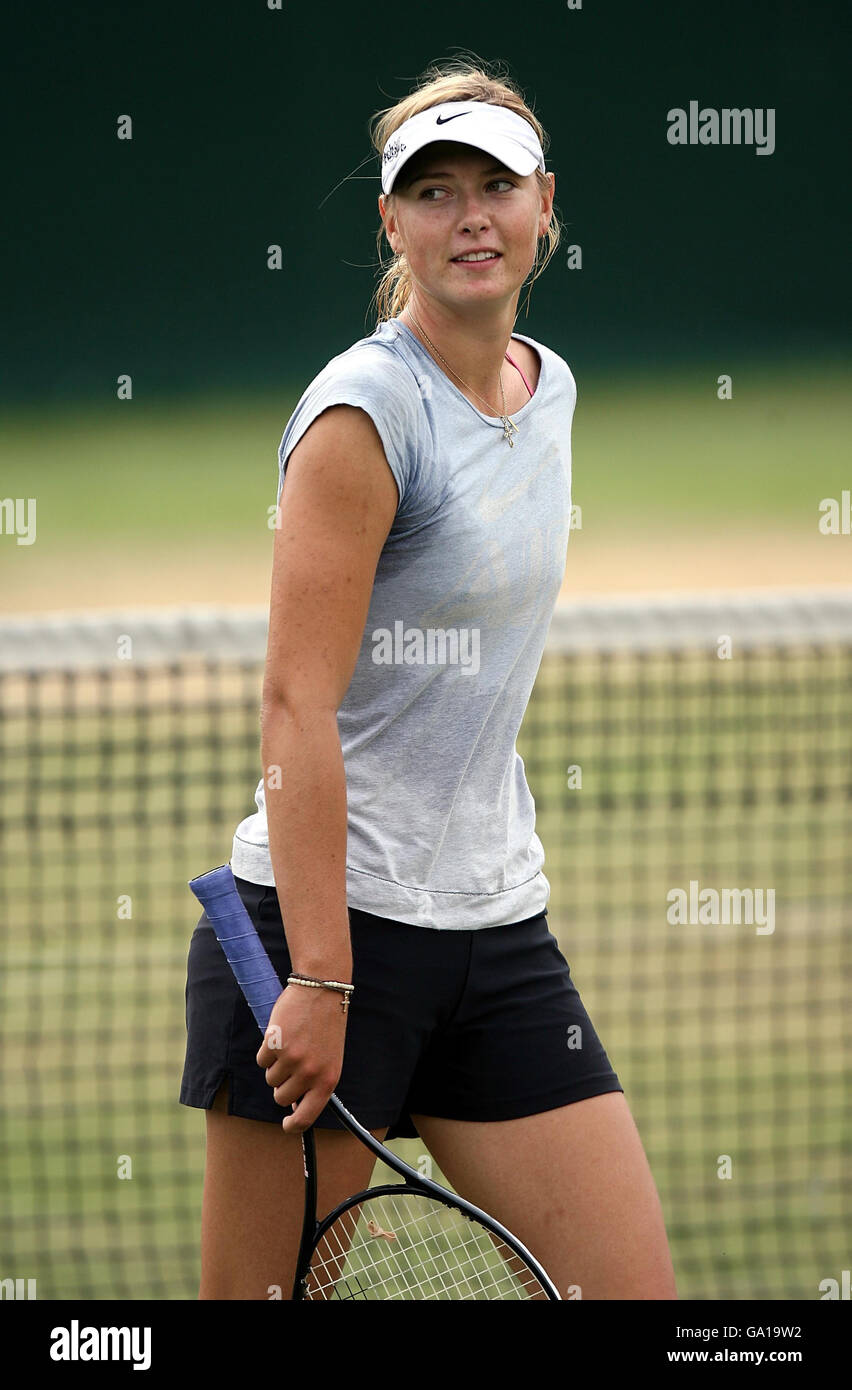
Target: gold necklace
508 425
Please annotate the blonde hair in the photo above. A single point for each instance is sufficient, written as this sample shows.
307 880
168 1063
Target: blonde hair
455 79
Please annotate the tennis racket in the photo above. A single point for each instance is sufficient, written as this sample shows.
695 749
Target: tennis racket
404 1240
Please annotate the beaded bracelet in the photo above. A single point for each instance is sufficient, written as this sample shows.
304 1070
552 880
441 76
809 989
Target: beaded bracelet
313 983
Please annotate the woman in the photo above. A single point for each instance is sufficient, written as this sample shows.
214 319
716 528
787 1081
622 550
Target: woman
419 552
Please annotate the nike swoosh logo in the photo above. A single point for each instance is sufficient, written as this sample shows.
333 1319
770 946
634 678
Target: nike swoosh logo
442 120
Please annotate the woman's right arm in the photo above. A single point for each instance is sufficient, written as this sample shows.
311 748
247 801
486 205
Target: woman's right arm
337 506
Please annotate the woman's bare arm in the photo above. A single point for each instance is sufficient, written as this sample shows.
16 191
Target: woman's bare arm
337 506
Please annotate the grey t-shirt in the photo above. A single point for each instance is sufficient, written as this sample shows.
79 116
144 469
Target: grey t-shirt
441 822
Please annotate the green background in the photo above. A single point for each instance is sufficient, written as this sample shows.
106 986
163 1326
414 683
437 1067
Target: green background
149 256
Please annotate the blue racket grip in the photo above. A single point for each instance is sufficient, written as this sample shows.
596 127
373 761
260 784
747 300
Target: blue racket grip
255 974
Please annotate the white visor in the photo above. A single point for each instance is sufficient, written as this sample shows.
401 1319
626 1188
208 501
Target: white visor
494 129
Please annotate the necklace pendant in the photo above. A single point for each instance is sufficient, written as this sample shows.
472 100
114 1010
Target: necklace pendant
508 427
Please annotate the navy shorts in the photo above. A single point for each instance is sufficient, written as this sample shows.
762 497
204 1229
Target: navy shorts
467 1025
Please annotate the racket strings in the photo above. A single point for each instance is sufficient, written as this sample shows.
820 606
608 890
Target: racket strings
412 1247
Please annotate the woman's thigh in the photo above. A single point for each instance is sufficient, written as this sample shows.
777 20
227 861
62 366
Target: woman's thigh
574 1185
253 1203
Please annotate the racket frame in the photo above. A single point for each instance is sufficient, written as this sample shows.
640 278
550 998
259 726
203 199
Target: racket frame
395 1190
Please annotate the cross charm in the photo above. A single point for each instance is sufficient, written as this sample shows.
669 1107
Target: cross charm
507 423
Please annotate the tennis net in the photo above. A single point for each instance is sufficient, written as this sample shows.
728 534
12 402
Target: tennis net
691 762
